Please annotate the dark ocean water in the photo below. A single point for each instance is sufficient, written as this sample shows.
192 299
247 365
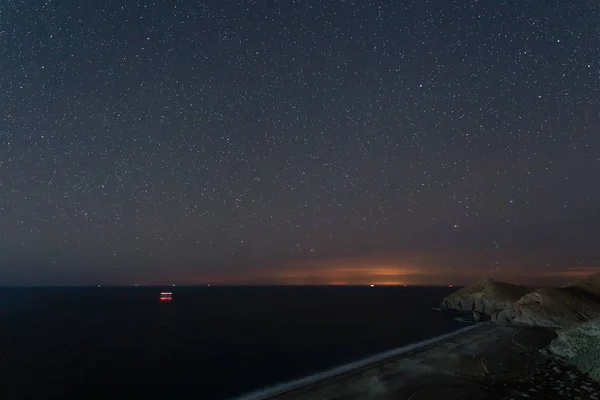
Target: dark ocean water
209 342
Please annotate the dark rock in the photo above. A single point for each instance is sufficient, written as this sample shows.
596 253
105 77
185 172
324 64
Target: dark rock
554 307
486 297
580 346
478 316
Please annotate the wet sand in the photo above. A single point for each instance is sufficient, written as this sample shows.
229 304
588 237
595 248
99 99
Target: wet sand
488 362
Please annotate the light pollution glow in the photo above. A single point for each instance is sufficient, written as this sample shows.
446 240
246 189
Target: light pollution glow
389 270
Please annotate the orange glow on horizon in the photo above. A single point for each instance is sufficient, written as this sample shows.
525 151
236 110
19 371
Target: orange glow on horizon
349 272
396 270
418 271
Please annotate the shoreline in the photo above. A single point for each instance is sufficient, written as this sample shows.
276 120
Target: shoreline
349 368
484 360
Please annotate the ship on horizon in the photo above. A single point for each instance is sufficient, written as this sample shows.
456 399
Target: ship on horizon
166 296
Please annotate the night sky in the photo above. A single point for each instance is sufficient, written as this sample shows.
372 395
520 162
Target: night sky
298 142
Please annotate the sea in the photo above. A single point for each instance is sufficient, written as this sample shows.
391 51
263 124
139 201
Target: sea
206 343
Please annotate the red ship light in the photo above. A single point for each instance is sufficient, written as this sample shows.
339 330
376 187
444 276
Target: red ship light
166 296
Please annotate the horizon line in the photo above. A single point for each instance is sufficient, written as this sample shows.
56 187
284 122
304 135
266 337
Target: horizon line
228 285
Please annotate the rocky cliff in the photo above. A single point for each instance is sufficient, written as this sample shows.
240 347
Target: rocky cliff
590 285
556 307
484 298
551 307
580 346
574 309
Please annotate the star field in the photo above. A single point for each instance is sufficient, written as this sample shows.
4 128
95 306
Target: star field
166 141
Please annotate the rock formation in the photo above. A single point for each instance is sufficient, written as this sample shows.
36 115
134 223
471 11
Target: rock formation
590 285
484 298
574 309
580 346
551 307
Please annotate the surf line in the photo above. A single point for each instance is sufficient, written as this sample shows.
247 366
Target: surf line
278 389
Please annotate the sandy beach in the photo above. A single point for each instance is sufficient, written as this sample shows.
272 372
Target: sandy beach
487 362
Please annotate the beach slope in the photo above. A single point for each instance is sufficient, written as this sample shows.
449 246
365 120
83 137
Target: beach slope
490 361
